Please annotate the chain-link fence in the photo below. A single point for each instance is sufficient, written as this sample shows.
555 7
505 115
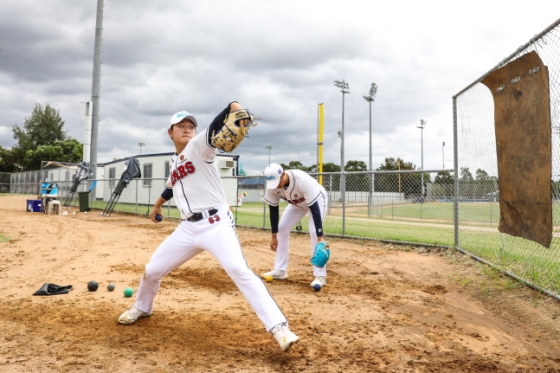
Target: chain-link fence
395 206
32 182
476 165
402 206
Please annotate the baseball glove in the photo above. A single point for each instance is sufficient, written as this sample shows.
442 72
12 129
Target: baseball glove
231 134
321 255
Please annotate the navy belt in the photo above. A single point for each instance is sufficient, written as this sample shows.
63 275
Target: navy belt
199 215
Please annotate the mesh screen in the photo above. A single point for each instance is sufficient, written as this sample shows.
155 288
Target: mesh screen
478 196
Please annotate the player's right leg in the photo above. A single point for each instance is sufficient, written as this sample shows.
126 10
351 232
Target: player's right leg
175 250
222 242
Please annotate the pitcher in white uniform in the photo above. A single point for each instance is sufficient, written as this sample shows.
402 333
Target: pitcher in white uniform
305 196
206 225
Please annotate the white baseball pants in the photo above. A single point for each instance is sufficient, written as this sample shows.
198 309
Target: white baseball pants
291 216
215 234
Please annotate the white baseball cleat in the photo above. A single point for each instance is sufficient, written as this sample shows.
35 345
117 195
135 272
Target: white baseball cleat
131 315
276 274
319 280
284 336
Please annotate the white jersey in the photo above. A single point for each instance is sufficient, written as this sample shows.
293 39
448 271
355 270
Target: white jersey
302 191
194 178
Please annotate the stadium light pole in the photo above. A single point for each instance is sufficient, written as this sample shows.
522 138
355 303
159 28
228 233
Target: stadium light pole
141 144
370 99
269 148
344 86
421 126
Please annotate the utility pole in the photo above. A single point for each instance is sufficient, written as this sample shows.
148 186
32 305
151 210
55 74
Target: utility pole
95 88
344 86
443 153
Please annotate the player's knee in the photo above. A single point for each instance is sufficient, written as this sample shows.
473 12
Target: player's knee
151 274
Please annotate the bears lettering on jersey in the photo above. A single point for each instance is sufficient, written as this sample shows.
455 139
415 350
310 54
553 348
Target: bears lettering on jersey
182 171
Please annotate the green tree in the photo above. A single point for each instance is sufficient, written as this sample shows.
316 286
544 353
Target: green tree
7 163
355 166
68 151
482 175
444 178
444 184
484 183
466 174
357 182
295 165
44 127
42 138
331 167
466 185
407 183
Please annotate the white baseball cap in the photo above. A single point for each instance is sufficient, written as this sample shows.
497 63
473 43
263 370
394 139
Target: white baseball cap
180 116
272 174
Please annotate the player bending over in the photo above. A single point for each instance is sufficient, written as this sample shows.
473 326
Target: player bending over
305 196
206 221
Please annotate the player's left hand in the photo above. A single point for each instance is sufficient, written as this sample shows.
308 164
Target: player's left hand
235 106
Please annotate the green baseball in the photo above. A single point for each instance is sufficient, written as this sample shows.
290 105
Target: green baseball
128 292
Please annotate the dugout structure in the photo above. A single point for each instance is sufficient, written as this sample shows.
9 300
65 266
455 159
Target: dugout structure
507 124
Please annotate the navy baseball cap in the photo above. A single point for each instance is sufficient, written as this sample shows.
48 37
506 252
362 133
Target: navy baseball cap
272 174
181 116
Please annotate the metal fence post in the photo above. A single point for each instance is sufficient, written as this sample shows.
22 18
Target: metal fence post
456 178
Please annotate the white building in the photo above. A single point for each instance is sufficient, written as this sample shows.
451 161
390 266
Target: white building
154 169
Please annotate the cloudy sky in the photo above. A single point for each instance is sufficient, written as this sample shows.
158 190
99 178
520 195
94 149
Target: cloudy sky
279 59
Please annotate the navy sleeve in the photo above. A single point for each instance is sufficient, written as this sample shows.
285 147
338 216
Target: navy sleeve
316 213
218 122
274 214
167 194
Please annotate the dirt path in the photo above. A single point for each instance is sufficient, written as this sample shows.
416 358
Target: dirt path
385 309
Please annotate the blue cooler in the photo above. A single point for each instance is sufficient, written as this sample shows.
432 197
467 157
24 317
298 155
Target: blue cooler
34 205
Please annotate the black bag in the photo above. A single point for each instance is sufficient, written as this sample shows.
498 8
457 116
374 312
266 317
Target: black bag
52 289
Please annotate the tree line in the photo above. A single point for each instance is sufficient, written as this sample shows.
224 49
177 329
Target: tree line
410 184
42 138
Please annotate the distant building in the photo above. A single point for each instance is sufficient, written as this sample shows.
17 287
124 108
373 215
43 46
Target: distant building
155 171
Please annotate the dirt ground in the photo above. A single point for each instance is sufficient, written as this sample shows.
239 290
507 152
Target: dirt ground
386 308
